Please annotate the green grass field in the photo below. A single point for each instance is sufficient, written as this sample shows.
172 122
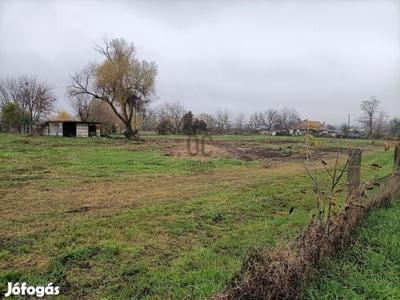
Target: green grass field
111 219
370 269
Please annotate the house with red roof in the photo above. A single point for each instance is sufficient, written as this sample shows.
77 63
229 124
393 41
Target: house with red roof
303 127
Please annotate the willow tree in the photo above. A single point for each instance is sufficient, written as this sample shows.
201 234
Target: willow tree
124 82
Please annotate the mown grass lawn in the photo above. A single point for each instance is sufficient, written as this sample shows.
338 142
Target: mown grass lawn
370 269
110 219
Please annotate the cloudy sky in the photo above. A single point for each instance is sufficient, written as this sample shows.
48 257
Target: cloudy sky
320 57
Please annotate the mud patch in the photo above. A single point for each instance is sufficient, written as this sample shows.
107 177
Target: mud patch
248 150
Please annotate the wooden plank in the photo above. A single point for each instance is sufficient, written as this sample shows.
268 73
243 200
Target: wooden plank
82 130
354 170
55 129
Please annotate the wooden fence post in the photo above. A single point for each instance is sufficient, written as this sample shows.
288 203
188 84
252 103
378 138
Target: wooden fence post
396 166
354 171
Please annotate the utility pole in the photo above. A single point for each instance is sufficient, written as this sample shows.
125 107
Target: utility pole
348 125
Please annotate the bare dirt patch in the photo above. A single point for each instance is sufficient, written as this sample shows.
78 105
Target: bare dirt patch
251 150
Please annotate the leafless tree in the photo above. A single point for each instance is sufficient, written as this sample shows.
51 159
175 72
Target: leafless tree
208 119
257 120
124 82
380 124
222 119
39 99
10 90
149 120
371 111
240 120
81 105
30 93
171 113
287 118
394 128
270 118
12 114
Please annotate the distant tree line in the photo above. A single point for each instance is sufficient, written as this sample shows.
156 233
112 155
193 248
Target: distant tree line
174 118
118 92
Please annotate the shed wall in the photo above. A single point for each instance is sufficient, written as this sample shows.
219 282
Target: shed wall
54 129
97 129
82 130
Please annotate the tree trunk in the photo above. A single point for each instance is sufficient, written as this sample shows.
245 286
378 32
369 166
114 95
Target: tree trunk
130 133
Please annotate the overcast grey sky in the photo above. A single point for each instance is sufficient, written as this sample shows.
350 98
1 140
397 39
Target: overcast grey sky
320 57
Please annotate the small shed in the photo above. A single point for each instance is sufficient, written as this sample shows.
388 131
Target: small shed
71 128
